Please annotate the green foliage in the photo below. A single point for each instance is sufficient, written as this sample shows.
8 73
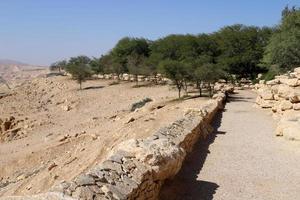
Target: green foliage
136 65
96 66
80 72
79 60
242 49
126 47
283 49
176 71
271 73
59 65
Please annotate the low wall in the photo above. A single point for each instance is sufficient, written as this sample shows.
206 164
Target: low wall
137 168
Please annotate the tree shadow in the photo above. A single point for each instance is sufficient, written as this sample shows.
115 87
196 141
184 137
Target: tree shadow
186 184
240 99
93 87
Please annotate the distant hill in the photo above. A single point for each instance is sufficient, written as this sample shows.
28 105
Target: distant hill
11 62
11 70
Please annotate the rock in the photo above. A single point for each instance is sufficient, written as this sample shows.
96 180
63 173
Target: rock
140 104
266 93
293 82
131 119
66 108
294 96
51 166
84 180
285 105
63 138
296 106
284 91
297 70
273 82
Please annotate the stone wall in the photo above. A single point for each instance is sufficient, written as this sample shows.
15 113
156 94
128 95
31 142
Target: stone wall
282 96
137 168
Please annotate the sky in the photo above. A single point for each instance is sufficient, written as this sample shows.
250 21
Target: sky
44 31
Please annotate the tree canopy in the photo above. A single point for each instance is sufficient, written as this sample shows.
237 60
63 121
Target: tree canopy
283 49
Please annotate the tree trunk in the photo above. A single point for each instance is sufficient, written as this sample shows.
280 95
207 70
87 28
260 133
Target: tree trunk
80 83
200 91
185 87
179 90
136 80
210 90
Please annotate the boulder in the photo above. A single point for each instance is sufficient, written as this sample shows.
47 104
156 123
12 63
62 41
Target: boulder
273 82
297 70
294 96
293 82
266 93
285 105
284 91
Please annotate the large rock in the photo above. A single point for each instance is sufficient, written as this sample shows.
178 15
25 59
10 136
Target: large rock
284 91
293 82
266 93
294 96
285 105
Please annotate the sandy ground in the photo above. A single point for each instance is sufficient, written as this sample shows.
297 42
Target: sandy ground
63 131
241 160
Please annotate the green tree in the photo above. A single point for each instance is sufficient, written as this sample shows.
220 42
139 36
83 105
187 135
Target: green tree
80 72
96 65
79 60
128 46
136 65
176 71
241 49
59 65
283 49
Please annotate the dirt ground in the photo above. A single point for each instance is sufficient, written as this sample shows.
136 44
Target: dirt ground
58 131
241 160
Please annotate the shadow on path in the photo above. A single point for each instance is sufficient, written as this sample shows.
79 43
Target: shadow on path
185 185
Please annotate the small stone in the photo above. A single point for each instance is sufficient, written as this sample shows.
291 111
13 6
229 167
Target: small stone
51 166
66 108
130 120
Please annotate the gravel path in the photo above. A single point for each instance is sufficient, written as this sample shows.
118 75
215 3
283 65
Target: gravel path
242 160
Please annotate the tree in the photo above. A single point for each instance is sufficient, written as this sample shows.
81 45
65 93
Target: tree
283 49
126 47
79 60
208 73
175 47
176 71
80 72
59 65
241 49
96 65
136 65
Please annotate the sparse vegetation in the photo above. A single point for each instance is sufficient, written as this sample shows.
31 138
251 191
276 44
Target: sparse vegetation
232 53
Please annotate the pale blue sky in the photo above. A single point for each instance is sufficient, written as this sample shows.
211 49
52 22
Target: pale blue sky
44 31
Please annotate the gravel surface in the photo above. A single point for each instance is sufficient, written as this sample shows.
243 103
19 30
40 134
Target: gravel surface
241 160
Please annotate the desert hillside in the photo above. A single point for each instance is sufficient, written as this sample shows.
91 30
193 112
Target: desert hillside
15 72
51 131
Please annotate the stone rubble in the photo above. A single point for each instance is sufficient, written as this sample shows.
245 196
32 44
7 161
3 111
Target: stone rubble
282 96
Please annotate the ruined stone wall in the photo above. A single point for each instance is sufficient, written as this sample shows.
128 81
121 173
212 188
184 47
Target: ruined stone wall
282 95
137 168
